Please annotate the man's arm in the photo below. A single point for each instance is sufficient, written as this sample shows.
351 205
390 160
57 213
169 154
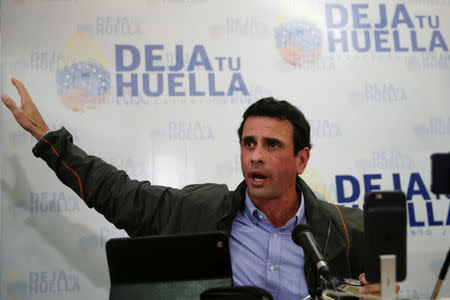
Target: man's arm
138 207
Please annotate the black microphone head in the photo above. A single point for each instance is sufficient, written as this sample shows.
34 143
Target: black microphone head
302 235
298 230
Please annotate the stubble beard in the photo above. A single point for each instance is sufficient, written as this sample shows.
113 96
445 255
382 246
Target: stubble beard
261 194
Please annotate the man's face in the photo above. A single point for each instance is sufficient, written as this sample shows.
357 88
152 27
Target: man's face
268 162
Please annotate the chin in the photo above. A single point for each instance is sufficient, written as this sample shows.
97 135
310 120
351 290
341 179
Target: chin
260 194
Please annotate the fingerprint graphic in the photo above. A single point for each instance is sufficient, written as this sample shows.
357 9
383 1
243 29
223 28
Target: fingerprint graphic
298 41
82 79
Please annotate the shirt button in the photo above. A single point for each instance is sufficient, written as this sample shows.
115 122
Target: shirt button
272 268
260 216
275 235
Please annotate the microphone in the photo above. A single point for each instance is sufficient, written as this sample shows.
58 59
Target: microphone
303 237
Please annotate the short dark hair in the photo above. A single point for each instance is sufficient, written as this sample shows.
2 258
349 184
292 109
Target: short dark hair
282 110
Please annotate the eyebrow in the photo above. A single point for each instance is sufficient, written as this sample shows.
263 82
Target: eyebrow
266 140
247 139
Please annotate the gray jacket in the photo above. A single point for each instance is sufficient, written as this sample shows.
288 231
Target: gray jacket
141 208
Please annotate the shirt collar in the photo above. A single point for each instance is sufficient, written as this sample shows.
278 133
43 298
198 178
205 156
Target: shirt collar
253 213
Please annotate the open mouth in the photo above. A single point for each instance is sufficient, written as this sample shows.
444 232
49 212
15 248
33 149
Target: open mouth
258 177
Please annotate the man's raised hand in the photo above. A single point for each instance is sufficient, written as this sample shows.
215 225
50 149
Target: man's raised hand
27 115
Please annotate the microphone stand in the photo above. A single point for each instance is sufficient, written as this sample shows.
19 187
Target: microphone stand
302 236
441 277
323 281
330 282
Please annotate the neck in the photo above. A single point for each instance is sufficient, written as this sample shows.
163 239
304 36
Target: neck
279 211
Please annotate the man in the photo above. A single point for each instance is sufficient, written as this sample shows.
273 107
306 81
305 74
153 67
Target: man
259 215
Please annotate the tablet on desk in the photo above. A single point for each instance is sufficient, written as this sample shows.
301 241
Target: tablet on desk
168 267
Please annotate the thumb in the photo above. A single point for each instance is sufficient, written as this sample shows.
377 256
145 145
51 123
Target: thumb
362 278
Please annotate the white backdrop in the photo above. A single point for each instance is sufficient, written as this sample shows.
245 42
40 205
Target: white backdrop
158 88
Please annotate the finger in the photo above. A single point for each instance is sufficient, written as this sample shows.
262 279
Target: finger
10 104
362 278
24 96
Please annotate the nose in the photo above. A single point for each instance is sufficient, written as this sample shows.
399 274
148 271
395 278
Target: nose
257 155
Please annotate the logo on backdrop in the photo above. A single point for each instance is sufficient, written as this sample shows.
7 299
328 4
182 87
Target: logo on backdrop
47 283
46 202
351 188
298 42
82 79
359 28
157 70
365 27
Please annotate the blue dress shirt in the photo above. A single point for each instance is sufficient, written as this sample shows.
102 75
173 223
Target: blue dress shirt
265 256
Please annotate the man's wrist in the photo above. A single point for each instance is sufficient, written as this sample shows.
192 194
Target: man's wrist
45 133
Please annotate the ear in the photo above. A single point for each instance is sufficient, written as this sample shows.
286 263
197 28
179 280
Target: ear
302 160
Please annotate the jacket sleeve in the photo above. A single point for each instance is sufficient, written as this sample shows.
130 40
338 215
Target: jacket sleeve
136 206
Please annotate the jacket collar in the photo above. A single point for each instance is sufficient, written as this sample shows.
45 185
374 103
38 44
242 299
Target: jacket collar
237 202
324 229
